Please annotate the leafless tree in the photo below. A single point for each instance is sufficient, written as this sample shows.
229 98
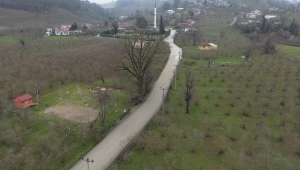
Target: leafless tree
197 35
139 57
189 84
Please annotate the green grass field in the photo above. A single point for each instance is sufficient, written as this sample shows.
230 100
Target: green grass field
289 49
76 135
242 115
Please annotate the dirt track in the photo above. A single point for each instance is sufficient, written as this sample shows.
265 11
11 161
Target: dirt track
73 113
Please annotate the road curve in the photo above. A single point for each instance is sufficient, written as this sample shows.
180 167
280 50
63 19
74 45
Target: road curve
110 147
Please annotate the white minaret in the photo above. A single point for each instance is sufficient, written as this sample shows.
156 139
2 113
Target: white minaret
155 16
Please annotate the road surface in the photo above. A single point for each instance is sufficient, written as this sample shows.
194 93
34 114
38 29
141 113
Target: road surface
110 147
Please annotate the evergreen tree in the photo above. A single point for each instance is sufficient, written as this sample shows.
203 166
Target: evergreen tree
294 28
141 22
162 25
115 27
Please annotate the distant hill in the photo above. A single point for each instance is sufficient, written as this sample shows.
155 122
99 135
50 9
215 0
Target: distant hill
48 13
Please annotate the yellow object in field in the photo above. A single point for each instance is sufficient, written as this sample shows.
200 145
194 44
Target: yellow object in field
208 46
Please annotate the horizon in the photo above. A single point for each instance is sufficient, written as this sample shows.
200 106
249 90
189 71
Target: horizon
102 1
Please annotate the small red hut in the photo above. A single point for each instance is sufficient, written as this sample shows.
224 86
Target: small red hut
23 101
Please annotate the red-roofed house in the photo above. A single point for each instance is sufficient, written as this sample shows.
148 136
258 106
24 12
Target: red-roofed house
23 101
139 43
190 21
62 30
207 46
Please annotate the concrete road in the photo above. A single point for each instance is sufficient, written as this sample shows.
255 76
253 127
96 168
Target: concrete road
109 148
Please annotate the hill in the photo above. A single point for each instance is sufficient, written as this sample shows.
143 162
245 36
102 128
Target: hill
48 13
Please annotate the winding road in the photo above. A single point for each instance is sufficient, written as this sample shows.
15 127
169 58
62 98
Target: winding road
110 147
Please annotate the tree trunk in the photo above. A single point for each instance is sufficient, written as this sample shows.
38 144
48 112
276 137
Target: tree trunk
187 107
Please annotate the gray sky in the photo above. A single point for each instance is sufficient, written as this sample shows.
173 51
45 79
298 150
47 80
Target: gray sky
101 1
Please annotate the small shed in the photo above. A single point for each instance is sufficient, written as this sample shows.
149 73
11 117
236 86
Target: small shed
23 101
208 46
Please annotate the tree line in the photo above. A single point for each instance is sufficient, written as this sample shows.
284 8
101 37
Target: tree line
44 5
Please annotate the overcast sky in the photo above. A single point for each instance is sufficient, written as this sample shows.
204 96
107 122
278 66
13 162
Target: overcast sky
101 1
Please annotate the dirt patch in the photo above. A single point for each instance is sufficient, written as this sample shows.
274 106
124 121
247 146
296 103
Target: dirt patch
73 113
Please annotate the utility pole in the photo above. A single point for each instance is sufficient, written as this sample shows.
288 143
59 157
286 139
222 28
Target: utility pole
88 162
163 107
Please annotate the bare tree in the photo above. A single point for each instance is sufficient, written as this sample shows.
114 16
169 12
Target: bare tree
140 53
189 84
196 34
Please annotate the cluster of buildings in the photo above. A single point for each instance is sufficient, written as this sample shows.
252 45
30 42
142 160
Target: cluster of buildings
256 16
67 29
61 30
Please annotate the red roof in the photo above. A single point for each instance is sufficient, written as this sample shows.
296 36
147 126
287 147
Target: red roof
205 44
24 97
189 21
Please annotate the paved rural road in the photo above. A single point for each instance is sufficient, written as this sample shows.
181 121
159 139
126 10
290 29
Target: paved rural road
109 148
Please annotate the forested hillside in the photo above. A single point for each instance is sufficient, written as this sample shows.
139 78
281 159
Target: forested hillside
48 13
40 5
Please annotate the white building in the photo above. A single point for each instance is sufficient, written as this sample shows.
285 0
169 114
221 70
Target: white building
170 12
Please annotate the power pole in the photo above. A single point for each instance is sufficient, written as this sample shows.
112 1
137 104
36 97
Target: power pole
88 162
163 108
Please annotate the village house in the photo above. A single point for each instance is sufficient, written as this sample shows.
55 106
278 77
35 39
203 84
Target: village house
269 17
139 43
23 101
126 25
207 46
180 9
249 15
257 12
196 11
62 30
222 4
49 32
189 21
189 28
273 9
192 1
243 23
169 12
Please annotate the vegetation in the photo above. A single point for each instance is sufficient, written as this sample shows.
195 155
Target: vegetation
243 110
31 139
242 115
138 61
